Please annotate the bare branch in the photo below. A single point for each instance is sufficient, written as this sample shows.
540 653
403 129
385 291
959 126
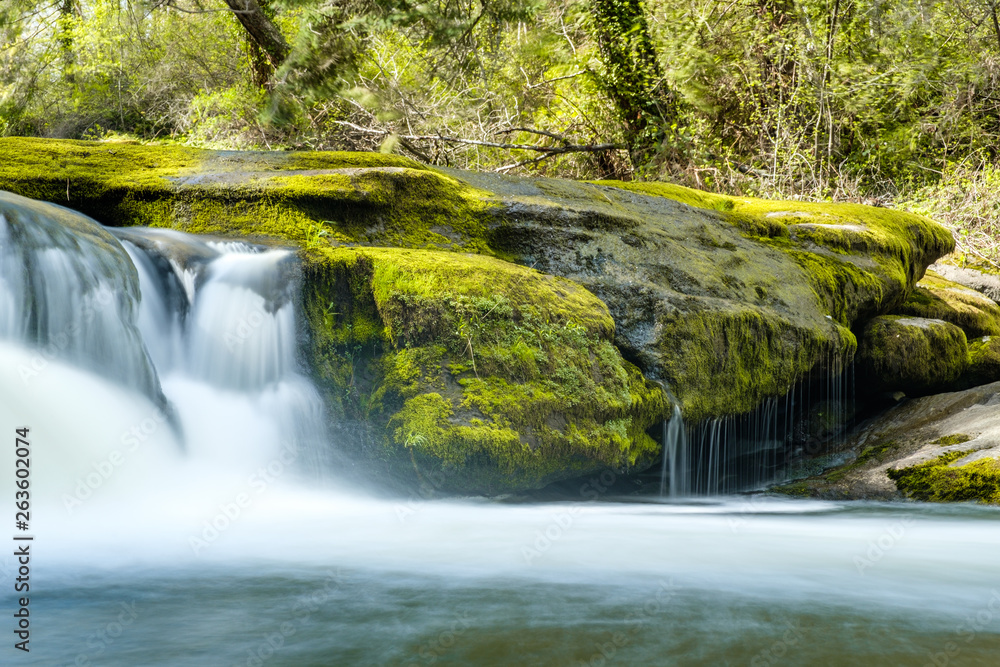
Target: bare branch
570 148
539 132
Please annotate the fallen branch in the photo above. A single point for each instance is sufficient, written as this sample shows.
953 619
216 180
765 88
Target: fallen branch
549 151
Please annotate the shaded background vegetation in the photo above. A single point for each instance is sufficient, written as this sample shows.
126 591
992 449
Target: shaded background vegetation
892 102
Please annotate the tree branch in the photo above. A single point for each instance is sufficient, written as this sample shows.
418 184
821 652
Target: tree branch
554 150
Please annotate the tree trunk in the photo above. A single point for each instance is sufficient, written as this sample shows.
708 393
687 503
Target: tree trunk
632 76
268 48
64 37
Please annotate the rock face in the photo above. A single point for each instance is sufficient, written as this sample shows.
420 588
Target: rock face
939 339
487 376
915 355
984 283
469 369
726 300
938 448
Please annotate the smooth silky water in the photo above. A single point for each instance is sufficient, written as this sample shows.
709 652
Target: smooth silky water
187 511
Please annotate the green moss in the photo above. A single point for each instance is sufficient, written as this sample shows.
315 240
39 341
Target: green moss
794 489
319 160
689 196
937 298
953 439
901 244
874 453
859 261
313 198
938 481
984 361
726 361
106 181
839 227
492 376
912 354
740 310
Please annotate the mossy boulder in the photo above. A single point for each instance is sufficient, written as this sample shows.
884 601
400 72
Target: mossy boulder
984 361
935 297
982 281
725 301
478 375
912 354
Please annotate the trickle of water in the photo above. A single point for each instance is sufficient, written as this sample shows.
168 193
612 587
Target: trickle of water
675 456
748 452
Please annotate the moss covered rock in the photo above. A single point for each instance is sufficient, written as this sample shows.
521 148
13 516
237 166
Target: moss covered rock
984 361
726 300
467 361
479 375
913 354
938 298
951 477
311 198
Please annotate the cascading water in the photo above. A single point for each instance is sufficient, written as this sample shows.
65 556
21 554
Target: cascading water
675 457
68 290
187 392
748 452
219 319
204 544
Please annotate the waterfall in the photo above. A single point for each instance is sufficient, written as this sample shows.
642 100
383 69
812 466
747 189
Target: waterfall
222 315
69 291
116 334
675 456
747 452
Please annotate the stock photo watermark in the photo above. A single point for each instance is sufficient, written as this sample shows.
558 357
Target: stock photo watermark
883 544
230 511
58 343
103 470
106 635
967 632
304 607
444 640
637 619
563 520
237 335
779 648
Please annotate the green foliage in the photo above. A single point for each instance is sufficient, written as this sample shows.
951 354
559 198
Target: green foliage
632 77
817 98
68 67
966 199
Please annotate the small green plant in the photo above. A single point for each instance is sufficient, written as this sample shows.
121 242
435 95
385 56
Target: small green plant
465 334
317 233
328 315
414 440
